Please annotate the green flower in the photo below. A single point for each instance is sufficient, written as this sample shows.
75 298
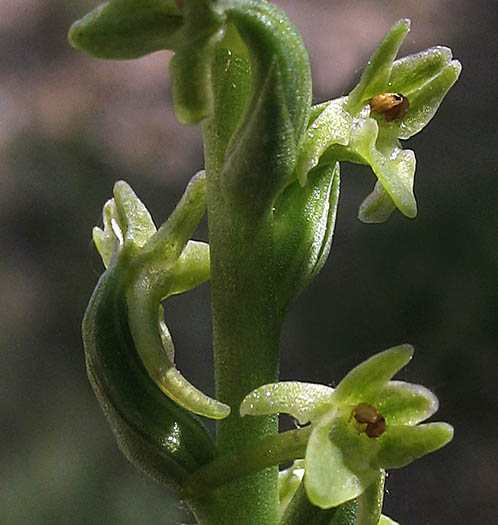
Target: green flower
154 265
349 129
367 424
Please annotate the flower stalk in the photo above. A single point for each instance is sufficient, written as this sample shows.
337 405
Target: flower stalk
271 189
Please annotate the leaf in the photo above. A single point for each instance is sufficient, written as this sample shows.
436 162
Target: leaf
304 221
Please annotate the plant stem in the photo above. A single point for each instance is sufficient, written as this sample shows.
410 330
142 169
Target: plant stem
246 322
246 333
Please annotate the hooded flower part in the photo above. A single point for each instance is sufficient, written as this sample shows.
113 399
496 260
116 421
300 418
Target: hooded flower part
367 424
393 100
154 265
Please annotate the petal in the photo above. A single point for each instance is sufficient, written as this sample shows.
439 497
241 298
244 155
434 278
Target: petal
304 401
191 269
107 240
405 403
368 379
378 70
411 72
337 462
425 101
400 446
134 218
331 126
168 243
123 29
378 206
391 175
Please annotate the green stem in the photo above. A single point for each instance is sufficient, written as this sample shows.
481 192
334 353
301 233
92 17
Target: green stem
246 322
246 333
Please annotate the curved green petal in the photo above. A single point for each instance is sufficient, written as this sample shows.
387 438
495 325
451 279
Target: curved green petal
123 29
401 445
155 268
378 206
368 379
134 218
392 178
425 101
191 269
107 240
378 70
167 244
412 72
337 462
304 401
331 126
405 403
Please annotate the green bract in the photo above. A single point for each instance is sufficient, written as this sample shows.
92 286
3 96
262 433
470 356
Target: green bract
129 351
153 265
342 462
347 128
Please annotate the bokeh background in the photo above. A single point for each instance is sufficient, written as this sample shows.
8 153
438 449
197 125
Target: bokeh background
71 125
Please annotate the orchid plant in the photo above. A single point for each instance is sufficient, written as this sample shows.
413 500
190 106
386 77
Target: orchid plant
270 187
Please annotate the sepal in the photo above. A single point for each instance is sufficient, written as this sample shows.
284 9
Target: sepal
303 401
404 444
376 74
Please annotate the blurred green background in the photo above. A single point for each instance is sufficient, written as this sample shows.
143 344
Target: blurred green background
71 125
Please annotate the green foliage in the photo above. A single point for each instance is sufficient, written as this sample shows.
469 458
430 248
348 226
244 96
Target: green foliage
272 185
